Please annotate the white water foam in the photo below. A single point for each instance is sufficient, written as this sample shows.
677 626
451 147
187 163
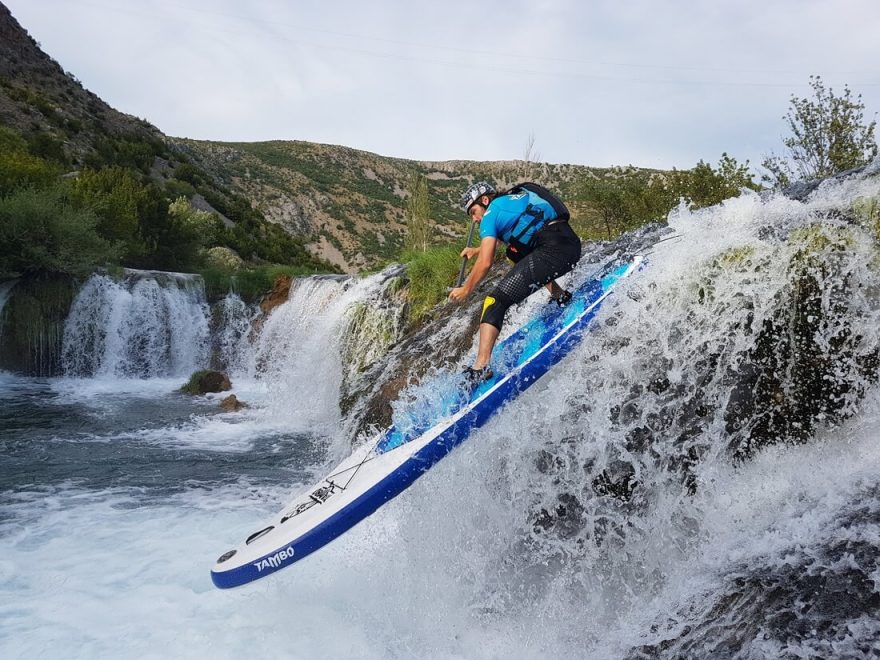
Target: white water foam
145 327
87 573
235 323
293 366
454 567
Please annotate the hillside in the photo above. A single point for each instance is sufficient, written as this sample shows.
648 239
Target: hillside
132 199
181 204
53 112
351 205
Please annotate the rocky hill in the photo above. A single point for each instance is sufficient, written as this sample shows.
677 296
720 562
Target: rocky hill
348 207
148 196
52 110
351 205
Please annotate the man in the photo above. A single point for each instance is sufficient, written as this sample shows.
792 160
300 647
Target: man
534 225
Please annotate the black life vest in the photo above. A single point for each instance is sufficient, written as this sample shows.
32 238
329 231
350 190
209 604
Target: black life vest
532 217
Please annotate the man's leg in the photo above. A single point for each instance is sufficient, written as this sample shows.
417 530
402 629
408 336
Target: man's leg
537 269
488 336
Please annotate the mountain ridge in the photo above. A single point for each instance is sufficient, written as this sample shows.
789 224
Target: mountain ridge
347 206
351 203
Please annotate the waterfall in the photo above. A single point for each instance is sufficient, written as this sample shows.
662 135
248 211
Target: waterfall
233 323
5 289
595 503
150 324
698 478
295 352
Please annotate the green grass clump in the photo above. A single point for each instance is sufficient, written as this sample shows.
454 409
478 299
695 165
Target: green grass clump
430 273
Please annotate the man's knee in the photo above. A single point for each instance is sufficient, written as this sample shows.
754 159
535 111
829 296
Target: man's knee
495 306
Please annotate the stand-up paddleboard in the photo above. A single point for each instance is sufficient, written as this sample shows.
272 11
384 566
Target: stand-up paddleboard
383 468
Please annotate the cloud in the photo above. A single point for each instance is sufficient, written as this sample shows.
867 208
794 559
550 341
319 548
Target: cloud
649 83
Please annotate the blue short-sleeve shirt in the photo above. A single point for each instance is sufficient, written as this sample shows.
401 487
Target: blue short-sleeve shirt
504 213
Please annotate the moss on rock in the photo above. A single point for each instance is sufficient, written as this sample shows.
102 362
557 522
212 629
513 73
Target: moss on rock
206 381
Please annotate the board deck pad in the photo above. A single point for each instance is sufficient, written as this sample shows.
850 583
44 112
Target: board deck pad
384 467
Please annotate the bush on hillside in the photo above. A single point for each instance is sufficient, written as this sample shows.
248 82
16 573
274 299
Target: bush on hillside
42 231
19 168
113 194
249 283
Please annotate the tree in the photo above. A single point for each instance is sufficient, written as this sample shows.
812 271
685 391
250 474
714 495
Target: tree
704 185
633 199
625 203
42 231
531 159
529 153
418 208
19 168
828 135
113 194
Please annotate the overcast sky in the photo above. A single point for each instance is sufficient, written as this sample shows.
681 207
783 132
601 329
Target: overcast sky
645 82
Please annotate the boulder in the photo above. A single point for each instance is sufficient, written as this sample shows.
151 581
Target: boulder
277 296
232 404
206 381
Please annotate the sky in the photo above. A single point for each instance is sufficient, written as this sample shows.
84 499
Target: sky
652 83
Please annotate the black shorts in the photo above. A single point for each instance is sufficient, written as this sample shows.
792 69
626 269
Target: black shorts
557 249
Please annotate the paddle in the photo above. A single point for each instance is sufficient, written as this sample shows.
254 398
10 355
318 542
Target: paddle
464 260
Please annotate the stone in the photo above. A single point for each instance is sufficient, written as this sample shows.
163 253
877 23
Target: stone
232 404
207 381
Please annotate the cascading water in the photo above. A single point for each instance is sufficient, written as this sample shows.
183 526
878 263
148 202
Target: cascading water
148 325
234 319
5 289
596 490
294 355
698 479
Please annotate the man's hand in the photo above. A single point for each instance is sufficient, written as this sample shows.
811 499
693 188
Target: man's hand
470 252
459 294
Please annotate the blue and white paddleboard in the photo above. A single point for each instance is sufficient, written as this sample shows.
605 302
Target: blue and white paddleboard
383 468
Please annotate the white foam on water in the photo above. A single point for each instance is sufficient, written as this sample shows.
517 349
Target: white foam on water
456 567
150 325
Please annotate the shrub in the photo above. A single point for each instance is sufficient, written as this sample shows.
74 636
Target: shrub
113 193
828 135
41 231
18 167
249 283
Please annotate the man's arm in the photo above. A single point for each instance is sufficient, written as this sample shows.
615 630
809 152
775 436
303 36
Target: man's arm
478 272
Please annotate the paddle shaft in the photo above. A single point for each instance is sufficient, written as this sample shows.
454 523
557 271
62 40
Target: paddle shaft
464 259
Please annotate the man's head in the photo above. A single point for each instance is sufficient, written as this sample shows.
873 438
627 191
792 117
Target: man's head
476 198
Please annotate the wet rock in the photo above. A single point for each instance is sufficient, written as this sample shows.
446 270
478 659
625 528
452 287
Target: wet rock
817 600
277 296
207 381
617 480
564 519
806 367
232 404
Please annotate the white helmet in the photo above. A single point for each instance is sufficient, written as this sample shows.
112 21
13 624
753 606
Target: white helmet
474 193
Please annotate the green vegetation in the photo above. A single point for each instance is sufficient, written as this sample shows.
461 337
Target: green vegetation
418 210
633 199
33 324
204 381
19 168
828 135
431 273
43 231
115 213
